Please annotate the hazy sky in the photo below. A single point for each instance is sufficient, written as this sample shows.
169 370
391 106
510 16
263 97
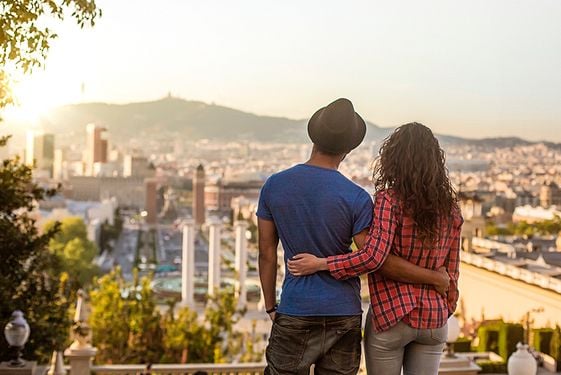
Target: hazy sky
473 68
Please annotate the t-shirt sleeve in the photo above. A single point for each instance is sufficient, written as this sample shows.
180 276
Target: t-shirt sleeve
362 214
263 210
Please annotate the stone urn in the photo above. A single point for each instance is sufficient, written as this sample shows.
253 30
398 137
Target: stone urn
522 362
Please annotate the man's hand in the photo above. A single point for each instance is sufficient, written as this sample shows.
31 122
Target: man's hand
443 282
306 264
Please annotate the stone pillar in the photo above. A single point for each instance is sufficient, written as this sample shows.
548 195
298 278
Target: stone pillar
188 264
80 353
29 368
241 262
80 360
214 226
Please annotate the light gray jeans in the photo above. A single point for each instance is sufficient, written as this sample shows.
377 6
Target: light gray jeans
418 351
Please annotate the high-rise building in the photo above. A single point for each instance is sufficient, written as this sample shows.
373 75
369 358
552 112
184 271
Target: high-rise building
199 195
40 151
96 147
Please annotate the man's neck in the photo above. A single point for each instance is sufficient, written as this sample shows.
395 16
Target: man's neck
324 161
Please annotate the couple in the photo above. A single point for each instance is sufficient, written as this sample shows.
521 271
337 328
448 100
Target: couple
407 241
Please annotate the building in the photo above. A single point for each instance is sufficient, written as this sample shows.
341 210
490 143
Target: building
151 203
137 166
96 147
199 208
244 209
129 191
219 195
550 195
474 222
40 151
531 214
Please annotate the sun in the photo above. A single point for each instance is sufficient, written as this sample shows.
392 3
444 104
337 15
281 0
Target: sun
36 94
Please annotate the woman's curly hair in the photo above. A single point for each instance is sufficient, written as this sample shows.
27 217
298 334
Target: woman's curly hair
412 164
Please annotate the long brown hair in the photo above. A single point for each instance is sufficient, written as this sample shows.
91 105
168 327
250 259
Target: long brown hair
412 164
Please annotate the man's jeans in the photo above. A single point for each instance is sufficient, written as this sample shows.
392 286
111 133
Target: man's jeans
332 343
417 350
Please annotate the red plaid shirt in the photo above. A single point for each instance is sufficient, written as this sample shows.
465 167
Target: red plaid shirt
419 306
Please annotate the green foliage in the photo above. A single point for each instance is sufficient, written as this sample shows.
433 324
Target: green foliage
523 228
542 340
145 331
490 367
29 281
5 97
500 337
488 334
25 38
462 345
108 318
493 230
74 251
555 348
183 339
125 321
510 334
144 335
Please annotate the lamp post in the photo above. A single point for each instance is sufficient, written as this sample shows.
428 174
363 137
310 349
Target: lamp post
16 333
453 334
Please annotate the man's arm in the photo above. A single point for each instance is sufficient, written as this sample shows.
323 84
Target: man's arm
268 242
399 269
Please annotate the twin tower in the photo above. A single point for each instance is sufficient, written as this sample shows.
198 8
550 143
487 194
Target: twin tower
214 248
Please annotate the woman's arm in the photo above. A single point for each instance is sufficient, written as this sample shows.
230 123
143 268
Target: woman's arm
377 246
369 258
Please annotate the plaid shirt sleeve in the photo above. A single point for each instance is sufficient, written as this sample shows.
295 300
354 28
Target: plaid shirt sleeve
453 268
378 243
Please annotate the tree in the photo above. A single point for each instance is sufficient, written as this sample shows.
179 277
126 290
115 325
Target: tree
109 305
74 251
24 37
138 336
27 282
182 336
145 331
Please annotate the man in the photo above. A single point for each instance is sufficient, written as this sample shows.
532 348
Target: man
312 207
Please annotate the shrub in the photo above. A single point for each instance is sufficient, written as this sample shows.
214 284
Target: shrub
542 340
462 345
489 337
510 334
490 367
555 346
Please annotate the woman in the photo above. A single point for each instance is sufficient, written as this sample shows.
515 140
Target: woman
416 217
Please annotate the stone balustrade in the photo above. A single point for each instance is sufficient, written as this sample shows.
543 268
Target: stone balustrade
512 271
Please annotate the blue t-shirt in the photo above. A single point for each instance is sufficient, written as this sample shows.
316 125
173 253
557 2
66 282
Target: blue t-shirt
316 210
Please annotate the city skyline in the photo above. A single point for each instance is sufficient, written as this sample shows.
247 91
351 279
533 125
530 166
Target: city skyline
474 70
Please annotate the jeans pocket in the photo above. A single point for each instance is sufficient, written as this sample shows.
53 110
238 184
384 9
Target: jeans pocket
286 347
439 335
345 353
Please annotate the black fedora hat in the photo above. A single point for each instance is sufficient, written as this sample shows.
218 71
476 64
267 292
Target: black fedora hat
337 128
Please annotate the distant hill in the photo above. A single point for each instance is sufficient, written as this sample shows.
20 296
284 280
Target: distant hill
197 120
